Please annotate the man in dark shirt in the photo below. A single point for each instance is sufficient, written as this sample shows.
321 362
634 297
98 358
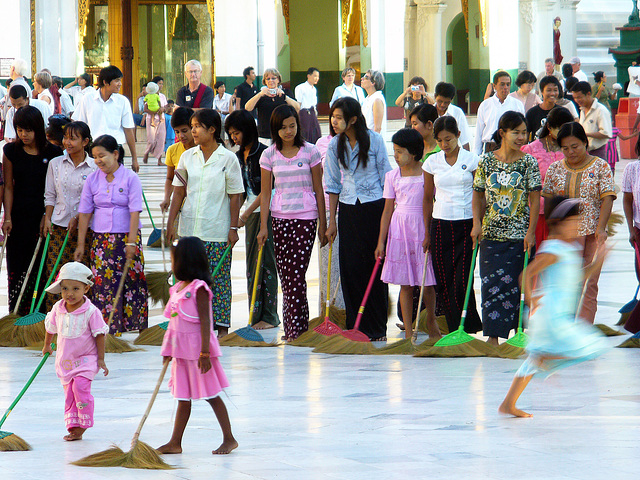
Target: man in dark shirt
190 95
246 90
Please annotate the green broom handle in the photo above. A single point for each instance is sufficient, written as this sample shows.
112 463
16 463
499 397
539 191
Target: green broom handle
144 197
524 273
468 294
42 262
26 278
52 275
29 382
219 265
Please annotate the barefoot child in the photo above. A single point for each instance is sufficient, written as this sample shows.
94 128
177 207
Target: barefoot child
557 338
80 353
404 263
190 341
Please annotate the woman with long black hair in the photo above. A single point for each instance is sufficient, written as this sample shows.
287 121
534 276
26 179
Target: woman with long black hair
356 164
25 172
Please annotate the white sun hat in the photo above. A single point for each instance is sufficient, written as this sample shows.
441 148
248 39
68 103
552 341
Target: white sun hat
72 271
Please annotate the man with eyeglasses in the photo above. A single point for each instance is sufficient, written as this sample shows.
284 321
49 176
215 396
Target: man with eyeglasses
195 94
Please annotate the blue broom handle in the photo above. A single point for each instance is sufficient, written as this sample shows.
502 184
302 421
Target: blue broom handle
144 197
524 276
28 384
42 262
468 293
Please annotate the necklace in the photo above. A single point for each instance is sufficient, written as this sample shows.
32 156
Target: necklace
551 147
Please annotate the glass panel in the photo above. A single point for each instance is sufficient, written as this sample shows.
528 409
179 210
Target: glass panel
169 36
96 42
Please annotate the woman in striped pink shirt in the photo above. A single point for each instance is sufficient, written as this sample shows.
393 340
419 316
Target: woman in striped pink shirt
292 167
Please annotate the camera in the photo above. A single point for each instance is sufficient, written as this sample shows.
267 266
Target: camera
272 91
415 88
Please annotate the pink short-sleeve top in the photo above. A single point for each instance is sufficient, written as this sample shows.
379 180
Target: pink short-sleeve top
183 338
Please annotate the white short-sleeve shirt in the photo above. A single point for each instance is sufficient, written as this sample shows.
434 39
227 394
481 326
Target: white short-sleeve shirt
105 118
454 184
206 213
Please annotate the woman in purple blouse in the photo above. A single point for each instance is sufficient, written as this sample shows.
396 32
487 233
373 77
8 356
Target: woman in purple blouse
113 196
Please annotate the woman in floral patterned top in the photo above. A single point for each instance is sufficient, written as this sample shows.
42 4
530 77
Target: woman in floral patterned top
589 178
506 203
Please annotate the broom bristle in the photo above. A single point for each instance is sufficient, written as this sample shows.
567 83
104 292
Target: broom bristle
113 344
510 351
440 320
405 347
111 457
337 344
623 318
607 330
337 316
630 342
615 219
10 442
6 330
151 336
314 322
39 345
26 335
473 348
310 338
235 340
145 457
158 286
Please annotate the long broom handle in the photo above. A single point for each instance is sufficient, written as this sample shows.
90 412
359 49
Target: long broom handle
366 293
53 271
144 197
468 293
4 247
123 278
162 233
524 276
27 385
42 262
414 336
637 249
328 302
335 292
254 292
26 278
136 435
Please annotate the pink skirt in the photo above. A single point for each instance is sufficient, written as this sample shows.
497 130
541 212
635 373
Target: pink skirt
187 383
404 258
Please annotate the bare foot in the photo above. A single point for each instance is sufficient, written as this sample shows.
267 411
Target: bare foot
222 331
169 448
512 410
226 447
75 434
493 341
160 163
262 325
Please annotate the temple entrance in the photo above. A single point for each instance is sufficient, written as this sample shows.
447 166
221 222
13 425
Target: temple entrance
458 59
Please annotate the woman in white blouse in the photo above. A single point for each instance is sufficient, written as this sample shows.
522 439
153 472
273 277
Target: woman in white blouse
65 178
374 107
448 222
348 88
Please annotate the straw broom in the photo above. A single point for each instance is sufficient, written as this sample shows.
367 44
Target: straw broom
460 343
409 346
158 282
154 335
113 344
631 342
140 455
353 342
246 336
10 442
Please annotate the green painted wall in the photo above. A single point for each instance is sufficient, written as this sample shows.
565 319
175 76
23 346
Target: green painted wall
314 35
329 80
231 82
393 87
460 54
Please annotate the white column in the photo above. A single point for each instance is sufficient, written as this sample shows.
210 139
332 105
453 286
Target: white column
504 35
431 50
16 32
568 30
236 37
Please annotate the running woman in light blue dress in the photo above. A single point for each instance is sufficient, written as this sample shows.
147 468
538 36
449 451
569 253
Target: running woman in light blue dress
558 338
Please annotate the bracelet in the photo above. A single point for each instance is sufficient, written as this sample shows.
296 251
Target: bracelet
233 228
130 244
205 355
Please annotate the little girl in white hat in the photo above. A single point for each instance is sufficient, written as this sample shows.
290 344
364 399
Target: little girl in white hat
80 352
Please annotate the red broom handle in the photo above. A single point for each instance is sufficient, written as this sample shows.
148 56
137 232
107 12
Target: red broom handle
637 249
366 293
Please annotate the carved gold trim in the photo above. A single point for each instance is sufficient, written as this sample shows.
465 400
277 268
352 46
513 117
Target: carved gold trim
212 18
285 13
83 14
172 16
465 13
32 26
363 17
345 6
482 6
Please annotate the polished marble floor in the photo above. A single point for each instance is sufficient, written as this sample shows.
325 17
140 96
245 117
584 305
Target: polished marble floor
301 415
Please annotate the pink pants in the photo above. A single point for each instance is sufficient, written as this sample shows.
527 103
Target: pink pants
78 403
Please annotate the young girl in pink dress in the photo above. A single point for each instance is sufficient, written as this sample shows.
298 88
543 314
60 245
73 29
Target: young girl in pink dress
80 353
191 343
404 263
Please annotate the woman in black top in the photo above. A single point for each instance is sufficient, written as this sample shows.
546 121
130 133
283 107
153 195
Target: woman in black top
25 172
270 96
241 129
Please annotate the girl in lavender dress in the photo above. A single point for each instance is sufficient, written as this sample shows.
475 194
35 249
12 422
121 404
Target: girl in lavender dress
403 229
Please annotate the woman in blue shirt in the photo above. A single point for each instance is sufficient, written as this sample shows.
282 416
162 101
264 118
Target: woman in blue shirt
356 164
